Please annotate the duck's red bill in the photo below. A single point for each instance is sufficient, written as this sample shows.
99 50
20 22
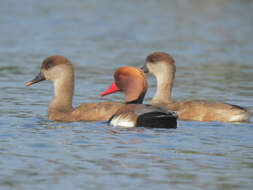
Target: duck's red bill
112 88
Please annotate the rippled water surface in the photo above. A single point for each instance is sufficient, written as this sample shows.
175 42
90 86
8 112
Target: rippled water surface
212 44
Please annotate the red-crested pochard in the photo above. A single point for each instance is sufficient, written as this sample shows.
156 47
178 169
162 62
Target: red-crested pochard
132 82
59 70
162 66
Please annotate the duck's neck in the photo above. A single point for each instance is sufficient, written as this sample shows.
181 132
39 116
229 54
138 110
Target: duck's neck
63 93
135 92
164 86
137 100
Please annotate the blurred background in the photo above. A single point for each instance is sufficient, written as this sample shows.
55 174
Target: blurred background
212 44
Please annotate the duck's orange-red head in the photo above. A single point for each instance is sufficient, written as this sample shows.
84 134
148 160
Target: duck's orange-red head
131 81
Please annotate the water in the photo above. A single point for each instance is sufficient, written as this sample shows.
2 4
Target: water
211 42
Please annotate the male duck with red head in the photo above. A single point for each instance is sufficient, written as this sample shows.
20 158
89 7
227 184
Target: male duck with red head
132 82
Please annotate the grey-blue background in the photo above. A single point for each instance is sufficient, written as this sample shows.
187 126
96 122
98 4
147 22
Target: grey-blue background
212 44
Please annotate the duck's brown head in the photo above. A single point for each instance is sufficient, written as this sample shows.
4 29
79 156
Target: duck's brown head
158 62
53 68
131 81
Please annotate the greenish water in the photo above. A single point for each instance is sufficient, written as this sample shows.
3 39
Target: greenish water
212 44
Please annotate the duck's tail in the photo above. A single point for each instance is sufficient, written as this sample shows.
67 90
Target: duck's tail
242 117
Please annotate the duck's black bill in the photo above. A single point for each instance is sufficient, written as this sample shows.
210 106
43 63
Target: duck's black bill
144 68
38 78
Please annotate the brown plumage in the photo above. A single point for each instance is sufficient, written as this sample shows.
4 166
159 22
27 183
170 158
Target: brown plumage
132 82
162 66
59 70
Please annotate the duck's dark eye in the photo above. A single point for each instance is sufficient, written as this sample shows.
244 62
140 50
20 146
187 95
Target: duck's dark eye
48 63
153 58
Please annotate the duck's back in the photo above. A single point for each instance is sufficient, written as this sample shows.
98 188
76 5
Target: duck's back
203 110
100 111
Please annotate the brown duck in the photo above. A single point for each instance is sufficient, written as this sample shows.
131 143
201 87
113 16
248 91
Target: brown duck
162 66
59 70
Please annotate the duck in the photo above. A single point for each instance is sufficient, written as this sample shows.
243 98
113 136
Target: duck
132 82
162 66
59 70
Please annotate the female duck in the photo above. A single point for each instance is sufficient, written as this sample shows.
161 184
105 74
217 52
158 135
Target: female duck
132 82
162 66
59 70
